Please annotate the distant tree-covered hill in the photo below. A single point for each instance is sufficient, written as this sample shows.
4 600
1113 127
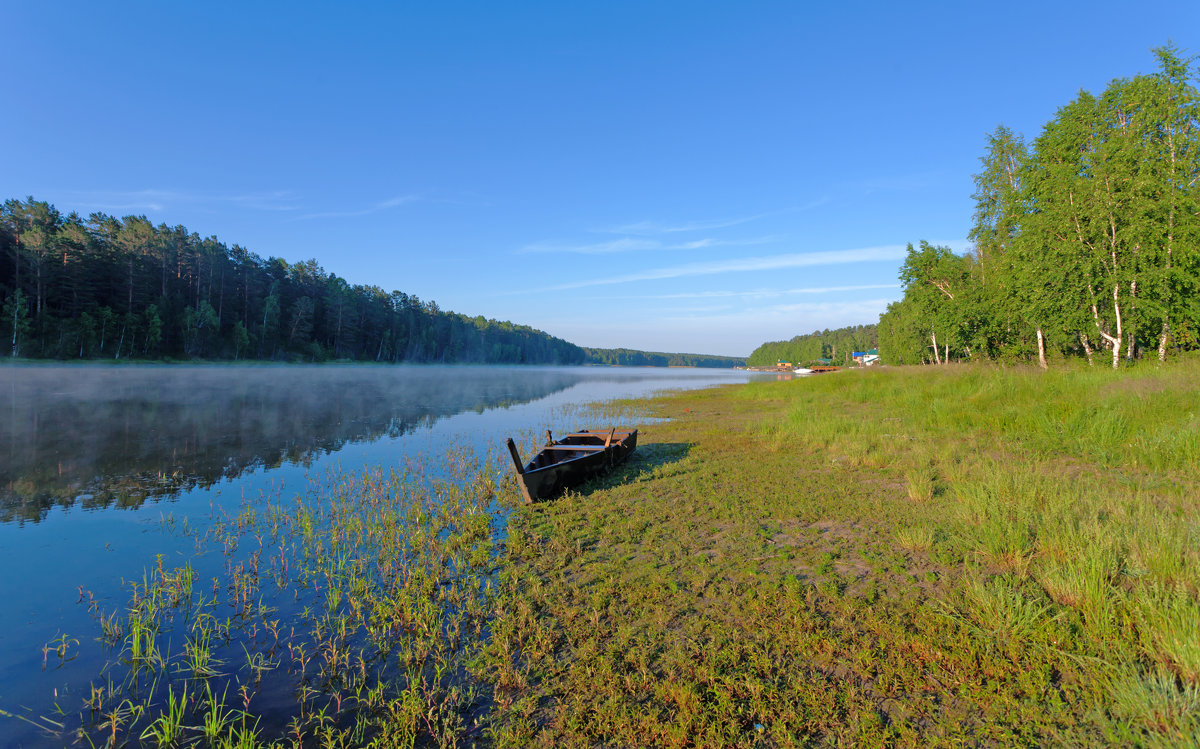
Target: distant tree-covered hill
624 357
103 287
835 345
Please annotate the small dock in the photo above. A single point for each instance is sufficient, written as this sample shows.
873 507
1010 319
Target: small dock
777 370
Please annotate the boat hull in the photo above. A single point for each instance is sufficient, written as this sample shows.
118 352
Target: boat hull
570 461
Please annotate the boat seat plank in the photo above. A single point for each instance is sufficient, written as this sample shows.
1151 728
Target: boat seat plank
574 448
599 434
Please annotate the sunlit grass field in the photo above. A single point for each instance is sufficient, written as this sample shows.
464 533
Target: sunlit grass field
924 556
937 556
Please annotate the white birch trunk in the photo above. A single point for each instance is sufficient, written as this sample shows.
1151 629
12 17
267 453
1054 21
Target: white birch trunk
1041 349
1117 341
1131 344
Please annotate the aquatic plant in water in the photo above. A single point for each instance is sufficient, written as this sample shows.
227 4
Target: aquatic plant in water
358 602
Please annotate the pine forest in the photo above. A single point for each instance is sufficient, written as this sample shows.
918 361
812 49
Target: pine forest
102 287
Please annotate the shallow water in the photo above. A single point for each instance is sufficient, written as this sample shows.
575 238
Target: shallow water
101 466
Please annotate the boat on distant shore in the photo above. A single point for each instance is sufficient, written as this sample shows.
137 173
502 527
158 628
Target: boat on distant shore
802 370
571 460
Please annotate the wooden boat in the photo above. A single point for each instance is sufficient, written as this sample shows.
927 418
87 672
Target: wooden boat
571 460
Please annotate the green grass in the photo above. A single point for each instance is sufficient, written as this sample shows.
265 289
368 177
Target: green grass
933 556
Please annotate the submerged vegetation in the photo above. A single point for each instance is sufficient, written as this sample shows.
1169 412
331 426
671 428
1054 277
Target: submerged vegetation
908 557
340 616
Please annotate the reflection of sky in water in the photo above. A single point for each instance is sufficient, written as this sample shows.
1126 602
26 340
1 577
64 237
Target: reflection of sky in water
101 550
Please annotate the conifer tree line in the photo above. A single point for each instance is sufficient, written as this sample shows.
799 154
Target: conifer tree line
821 345
103 287
624 357
1086 241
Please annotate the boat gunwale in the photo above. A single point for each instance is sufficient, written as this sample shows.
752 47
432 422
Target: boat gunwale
585 456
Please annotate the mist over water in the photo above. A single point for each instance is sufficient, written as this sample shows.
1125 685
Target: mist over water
100 436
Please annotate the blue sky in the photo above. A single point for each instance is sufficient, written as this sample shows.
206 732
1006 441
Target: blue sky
691 176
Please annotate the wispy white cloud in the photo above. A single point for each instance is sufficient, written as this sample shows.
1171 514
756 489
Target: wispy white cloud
734 332
270 201
811 312
657 227
750 264
638 244
764 293
703 243
872 307
160 200
399 200
678 313
121 208
650 228
625 244
837 289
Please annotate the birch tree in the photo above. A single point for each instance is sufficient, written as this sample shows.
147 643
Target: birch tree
935 280
1171 167
999 210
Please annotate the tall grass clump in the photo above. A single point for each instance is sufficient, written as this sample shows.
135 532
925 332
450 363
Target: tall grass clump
916 538
1080 482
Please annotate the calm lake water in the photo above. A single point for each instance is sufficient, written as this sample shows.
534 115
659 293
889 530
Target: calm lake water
100 465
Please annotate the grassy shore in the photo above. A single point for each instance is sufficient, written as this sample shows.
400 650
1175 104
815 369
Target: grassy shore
909 557
933 556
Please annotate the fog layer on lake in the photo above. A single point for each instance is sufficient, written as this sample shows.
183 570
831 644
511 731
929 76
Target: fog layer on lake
118 435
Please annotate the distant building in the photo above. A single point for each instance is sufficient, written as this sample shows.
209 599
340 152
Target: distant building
865 358
781 364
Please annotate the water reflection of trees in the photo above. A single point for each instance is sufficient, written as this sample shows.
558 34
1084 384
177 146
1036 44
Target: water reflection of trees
99 436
